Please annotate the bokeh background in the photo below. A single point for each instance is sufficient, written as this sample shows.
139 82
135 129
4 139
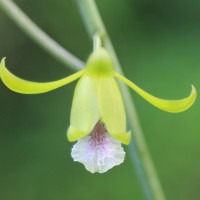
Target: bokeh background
158 44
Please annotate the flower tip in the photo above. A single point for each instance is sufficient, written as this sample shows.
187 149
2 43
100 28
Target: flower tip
184 104
127 138
194 91
74 134
124 138
193 94
3 60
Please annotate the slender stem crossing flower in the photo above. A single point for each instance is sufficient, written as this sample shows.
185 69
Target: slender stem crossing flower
98 118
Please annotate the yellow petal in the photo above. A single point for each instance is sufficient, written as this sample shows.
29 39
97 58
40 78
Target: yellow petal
28 87
112 109
173 106
85 112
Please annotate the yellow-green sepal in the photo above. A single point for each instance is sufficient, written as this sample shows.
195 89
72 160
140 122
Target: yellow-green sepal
173 106
84 112
112 109
19 85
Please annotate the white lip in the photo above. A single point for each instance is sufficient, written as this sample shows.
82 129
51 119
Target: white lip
98 152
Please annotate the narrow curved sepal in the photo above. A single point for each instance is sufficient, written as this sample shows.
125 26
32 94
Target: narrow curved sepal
19 85
84 112
112 109
173 106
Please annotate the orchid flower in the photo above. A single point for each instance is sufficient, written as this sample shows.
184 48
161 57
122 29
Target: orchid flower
98 118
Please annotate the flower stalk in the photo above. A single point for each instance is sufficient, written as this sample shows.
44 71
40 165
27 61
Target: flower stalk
97 43
39 36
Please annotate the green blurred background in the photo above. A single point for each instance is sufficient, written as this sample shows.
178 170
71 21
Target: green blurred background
158 44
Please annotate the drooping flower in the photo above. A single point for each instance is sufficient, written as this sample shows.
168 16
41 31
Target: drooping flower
98 119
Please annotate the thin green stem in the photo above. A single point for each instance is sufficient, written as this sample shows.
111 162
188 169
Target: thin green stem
96 41
145 168
39 36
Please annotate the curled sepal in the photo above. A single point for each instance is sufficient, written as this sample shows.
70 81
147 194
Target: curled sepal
28 87
173 106
112 109
84 112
